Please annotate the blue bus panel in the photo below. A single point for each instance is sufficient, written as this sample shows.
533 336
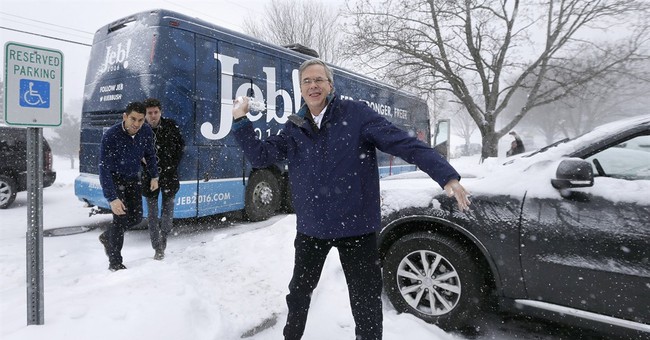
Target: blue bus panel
196 69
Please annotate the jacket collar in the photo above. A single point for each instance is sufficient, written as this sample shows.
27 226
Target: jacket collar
299 119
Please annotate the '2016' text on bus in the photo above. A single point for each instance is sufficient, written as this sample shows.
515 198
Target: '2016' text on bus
196 69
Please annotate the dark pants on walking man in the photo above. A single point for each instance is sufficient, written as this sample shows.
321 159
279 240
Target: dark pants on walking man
360 261
159 227
130 192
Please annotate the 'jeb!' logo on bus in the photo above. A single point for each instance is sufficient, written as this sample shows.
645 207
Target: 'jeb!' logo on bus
116 57
273 94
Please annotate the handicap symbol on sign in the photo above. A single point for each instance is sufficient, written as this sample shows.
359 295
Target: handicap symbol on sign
34 93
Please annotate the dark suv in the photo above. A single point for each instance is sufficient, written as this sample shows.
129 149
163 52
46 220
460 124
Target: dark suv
561 233
13 164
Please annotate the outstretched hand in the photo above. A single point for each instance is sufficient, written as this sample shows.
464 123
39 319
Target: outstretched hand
454 188
240 107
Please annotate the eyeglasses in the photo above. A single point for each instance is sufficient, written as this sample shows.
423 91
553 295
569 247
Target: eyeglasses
317 81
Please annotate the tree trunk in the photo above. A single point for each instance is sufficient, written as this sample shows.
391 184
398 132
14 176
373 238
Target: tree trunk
490 146
71 162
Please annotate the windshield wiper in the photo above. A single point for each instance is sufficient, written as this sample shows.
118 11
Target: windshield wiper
548 147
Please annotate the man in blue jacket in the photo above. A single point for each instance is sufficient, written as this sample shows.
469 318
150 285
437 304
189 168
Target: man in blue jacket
330 146
123 147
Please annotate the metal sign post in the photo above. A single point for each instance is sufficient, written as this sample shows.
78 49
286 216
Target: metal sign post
35 311
33 98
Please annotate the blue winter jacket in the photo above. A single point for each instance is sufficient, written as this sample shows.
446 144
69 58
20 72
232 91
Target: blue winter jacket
121 156
333 171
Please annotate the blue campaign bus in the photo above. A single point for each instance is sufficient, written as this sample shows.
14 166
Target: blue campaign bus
196 69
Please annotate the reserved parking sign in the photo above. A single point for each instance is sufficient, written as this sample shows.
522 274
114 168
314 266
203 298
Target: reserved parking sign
33 85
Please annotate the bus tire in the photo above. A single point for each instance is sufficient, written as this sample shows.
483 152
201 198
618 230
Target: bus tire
263 195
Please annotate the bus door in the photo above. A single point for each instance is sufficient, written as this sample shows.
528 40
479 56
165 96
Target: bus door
220 168
441 137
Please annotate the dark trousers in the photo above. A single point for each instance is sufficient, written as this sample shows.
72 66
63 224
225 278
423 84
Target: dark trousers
360 261
159 227
130 192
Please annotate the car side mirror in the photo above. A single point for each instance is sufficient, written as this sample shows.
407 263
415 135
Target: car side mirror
573 173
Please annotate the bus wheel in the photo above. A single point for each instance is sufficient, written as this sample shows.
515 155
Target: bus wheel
262 195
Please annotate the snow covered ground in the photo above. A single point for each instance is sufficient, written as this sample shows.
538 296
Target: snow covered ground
221 280
218 281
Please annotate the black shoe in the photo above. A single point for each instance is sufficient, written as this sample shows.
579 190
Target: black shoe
159 255
104 241
116 267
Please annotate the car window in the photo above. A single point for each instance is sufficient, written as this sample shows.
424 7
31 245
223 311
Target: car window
628 160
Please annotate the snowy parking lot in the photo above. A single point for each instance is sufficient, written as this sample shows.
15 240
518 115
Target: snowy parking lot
220 280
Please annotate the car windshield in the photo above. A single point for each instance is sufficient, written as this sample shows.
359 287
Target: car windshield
548 147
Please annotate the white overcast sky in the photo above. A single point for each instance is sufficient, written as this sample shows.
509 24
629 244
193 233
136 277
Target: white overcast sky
78 20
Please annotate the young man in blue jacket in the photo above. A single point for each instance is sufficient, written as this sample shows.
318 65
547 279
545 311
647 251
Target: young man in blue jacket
123 147
330 146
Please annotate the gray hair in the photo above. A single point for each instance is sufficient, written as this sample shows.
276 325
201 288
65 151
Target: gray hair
316 61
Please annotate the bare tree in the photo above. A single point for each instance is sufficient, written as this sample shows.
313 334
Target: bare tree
612 97
309 23
484 51
463 126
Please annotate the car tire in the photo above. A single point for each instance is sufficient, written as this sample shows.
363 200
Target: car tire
263 195
7 191
455 284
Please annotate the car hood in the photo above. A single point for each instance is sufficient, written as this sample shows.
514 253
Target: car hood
529 175
419 190
415 190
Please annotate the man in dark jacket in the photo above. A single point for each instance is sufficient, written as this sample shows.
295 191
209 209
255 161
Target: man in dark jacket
330 146
516 146
169 150
123 147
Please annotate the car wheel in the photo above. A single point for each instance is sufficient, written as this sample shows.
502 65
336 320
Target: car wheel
7 191
434 278
262 195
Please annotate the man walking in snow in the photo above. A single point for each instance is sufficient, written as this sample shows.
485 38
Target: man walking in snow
330 146
123 147
169 150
